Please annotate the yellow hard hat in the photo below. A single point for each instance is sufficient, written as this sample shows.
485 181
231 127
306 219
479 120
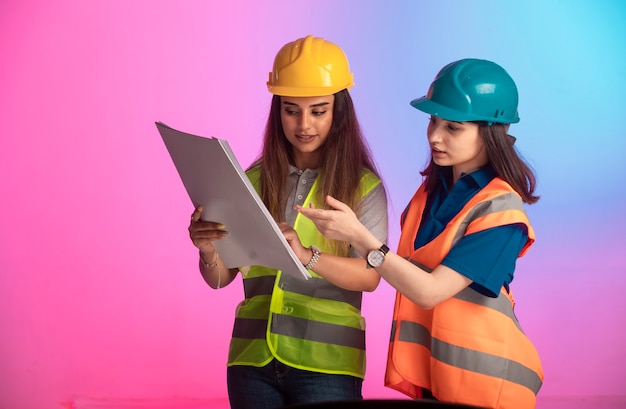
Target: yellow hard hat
309 67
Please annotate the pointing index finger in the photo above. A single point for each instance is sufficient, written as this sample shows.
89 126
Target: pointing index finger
311 212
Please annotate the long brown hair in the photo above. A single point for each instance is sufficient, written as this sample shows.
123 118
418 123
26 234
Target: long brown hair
503 158
344 157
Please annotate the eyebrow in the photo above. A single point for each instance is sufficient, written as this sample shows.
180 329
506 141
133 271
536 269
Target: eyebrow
455 122
447 120
312 106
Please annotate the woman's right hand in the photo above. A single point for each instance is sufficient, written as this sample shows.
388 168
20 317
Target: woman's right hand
337 223
203 234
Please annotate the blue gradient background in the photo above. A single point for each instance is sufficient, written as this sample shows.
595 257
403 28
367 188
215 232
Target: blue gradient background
99 291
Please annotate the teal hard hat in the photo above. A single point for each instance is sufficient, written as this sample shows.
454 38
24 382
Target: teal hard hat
471 90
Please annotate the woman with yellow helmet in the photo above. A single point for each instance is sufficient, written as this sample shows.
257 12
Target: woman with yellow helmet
455 337
298 341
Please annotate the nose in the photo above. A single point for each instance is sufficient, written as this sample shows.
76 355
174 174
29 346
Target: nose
433 133
304 121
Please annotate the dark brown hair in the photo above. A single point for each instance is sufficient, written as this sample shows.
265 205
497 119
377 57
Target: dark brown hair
503 157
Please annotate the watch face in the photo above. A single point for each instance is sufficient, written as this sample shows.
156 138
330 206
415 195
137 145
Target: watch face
375 258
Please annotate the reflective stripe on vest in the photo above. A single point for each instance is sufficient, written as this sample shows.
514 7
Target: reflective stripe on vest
308 324
466 358
323 289
292 326
469 349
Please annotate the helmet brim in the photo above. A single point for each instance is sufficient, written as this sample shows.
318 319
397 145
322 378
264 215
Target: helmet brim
288 91
426 105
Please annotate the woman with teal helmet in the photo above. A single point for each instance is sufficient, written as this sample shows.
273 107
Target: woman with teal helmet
455 337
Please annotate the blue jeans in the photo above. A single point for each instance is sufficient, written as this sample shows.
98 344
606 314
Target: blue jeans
276 385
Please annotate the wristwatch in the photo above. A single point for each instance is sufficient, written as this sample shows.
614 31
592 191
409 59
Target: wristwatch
316 256
376 257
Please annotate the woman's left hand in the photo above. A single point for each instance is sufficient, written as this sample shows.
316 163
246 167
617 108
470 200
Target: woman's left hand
303 253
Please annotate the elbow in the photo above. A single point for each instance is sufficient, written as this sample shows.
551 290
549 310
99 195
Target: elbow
209 282
426 303
370 288
372 284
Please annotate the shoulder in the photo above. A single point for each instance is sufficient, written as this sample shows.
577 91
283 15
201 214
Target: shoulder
369 180
500 191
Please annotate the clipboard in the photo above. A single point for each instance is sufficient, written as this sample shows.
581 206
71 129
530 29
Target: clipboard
214 179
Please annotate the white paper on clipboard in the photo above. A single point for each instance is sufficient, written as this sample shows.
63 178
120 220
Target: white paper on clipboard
214 179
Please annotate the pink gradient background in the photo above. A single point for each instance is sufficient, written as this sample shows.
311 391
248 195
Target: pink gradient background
99 290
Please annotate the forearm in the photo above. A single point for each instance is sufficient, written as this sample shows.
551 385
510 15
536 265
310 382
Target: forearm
348 273
423 288
362 240
214 272
426 289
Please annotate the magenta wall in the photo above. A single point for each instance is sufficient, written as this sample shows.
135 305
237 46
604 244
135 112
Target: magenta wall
99 292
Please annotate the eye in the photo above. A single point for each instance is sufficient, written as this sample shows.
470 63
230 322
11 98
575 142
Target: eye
452 127
319 113
290 111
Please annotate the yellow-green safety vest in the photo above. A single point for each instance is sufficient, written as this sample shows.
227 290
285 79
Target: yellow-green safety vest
307 324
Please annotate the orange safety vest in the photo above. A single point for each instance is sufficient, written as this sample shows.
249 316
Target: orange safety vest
469 349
